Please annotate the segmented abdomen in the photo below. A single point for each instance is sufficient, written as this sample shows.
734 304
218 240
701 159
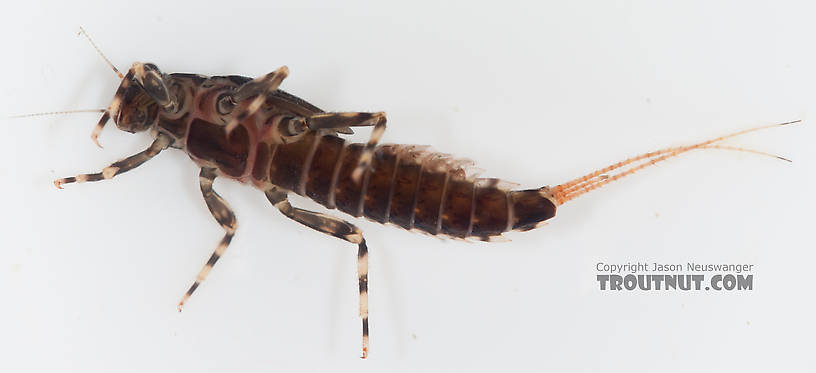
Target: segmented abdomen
405 185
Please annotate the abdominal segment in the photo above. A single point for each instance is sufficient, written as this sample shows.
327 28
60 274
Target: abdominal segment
404 185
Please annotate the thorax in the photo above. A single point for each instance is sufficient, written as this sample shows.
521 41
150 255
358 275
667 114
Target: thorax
197 124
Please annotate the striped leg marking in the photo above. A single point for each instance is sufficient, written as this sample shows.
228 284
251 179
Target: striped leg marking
368 152
259 88
222 213
125 165
342 121
337 121
98 129
337 228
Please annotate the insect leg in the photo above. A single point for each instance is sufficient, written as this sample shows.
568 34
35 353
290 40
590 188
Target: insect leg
259 88
337 228
339 122
98 129
125 165
345 120
222 213
342 120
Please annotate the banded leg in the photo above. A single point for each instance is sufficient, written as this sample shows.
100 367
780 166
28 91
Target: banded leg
125 165
345 120
259 88
222 213
99 126
368 152
340 122
337 228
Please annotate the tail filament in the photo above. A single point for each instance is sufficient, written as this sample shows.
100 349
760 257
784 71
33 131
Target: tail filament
596 179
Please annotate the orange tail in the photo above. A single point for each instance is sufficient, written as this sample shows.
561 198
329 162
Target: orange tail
596 179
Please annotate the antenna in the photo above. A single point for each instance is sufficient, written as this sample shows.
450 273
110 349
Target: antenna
115 70
57 113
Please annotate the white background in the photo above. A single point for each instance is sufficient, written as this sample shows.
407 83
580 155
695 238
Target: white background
537 93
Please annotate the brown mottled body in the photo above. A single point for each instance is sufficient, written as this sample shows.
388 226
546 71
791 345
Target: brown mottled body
405 185
250 131
410 188
198 128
